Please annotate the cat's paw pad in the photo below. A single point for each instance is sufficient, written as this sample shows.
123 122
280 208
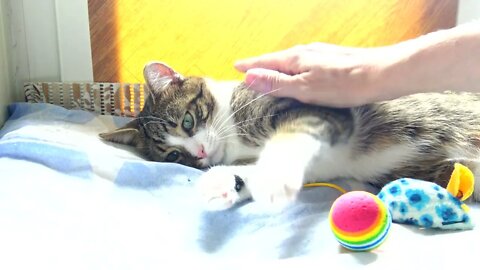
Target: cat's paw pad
220 188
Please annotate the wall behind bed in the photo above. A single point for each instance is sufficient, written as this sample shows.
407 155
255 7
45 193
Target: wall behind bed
205 37
49 40
7 92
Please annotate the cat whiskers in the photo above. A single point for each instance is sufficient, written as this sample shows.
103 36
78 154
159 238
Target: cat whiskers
213 126
237 125
152 117
218 117
231 135
216 121
222 130
218 131
248 103
151 122
222 136
155 120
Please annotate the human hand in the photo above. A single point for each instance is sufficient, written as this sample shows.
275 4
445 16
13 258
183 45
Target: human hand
321 73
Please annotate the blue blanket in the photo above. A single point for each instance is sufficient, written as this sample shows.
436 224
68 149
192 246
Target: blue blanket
70 200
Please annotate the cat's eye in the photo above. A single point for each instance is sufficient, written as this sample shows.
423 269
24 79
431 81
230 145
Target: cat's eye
173 156
188 121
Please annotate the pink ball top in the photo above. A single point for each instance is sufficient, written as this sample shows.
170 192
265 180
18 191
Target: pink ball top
355 212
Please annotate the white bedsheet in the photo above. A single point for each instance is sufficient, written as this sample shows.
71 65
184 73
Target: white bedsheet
70 201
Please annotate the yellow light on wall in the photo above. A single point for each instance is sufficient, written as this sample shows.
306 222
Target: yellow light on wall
206 37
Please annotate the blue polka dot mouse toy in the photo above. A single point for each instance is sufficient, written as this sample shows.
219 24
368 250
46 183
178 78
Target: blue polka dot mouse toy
429 205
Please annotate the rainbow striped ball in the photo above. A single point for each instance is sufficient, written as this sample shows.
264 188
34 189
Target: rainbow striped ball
359 220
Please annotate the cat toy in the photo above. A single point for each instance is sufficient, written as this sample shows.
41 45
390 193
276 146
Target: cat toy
360 221
428 205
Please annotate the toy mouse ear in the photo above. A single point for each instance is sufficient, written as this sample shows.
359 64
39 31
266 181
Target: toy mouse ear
461 182
159 75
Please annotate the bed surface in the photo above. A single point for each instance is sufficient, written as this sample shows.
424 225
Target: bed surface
71 201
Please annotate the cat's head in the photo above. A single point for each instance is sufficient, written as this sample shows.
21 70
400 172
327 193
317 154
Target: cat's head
175 123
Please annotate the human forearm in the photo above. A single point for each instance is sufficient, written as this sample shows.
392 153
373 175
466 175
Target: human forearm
439 61
341 76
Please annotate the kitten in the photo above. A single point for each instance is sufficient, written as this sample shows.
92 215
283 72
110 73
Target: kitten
264 147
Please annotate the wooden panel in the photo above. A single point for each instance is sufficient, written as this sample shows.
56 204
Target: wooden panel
206 37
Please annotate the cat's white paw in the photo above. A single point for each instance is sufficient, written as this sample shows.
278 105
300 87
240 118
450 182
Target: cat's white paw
275 186
221 188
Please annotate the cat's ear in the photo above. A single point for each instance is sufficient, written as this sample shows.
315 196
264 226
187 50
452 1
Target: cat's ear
158 75
128 134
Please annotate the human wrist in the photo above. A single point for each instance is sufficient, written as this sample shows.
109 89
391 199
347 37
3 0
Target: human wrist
386 75
439 61
413 66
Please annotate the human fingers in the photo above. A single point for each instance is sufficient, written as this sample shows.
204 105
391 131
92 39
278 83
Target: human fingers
298 87
272 82
274 61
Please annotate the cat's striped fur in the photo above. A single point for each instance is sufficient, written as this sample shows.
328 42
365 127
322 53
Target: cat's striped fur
287 143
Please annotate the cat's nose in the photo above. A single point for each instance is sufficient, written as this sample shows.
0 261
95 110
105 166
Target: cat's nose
201 152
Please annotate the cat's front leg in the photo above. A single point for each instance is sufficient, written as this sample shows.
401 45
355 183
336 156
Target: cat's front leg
221 187
276 178
282 166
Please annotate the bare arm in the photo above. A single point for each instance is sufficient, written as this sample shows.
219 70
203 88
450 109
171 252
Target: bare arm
442 60
342 76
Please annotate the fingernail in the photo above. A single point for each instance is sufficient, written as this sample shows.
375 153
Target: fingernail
240 65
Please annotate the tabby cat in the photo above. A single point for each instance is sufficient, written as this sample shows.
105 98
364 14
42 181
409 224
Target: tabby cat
259 146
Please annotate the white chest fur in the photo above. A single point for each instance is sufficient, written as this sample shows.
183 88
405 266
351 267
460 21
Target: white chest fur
339 161
234 148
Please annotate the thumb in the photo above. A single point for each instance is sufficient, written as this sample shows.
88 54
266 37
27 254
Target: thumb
270 81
